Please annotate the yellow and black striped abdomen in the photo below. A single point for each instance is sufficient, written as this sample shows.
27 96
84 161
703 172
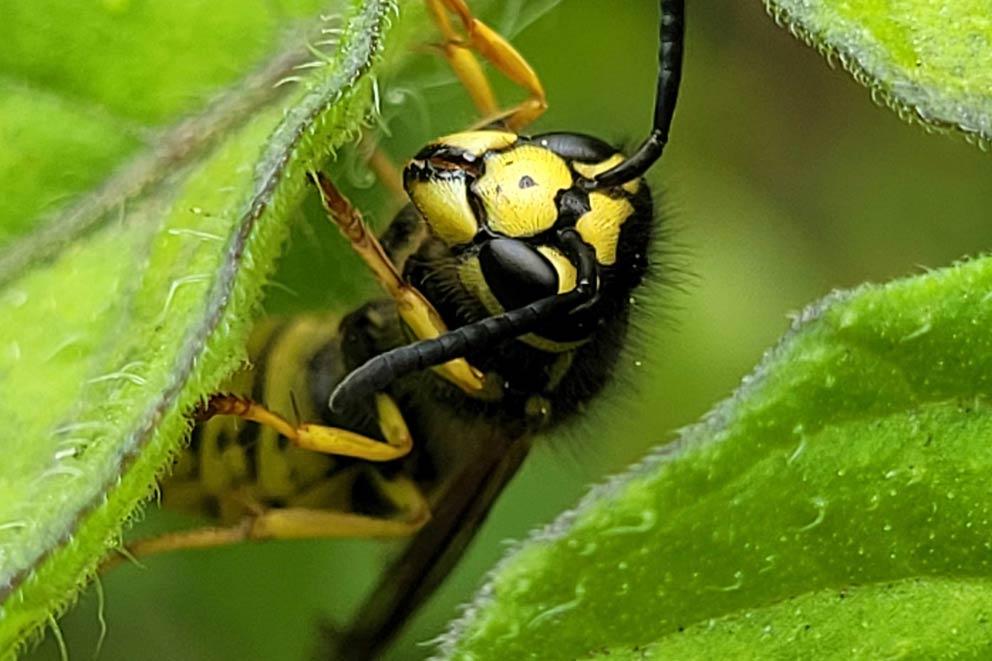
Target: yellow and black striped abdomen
233 468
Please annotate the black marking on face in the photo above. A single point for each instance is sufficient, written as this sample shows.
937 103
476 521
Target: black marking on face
572 204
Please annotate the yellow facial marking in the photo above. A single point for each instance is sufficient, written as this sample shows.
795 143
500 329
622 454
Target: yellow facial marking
566 270
519 187
632 186
479 142
444 205
590 170
600 226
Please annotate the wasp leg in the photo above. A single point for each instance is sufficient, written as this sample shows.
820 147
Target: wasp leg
415 310
497 50
319 438
464 63
295 523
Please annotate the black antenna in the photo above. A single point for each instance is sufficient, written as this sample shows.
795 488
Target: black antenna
378 372
671 36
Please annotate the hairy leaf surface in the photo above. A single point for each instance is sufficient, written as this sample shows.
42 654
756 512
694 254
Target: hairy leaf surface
133 301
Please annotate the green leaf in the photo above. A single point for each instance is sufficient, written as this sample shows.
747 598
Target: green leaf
854 461
926 618
929 61
120 316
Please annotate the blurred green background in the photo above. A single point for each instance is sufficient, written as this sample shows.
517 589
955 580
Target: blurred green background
783 181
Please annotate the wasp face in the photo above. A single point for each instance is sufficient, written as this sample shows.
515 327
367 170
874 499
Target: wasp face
463 187
499 201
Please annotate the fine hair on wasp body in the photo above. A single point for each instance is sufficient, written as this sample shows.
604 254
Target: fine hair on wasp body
508 280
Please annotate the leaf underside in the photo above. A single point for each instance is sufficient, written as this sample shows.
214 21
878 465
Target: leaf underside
929 61
111 338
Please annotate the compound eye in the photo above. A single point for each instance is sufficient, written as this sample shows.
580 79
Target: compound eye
516 273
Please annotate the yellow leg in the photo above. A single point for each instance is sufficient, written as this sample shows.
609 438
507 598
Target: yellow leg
414 309
318 438
497 50
295 523
464 63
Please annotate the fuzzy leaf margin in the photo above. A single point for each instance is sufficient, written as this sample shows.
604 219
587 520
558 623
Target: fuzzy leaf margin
929 61
115 337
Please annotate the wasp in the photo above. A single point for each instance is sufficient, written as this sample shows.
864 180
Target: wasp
507 280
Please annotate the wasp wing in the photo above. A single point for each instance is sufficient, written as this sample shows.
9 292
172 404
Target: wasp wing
412 578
